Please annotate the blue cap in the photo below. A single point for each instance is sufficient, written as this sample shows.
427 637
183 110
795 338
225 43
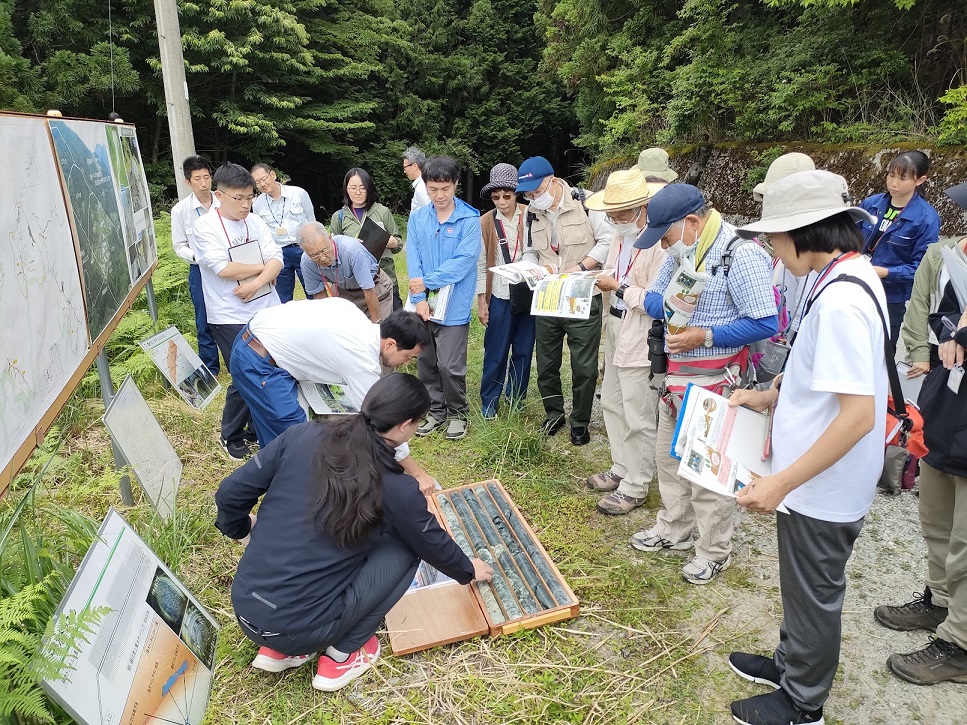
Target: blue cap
532 173
672 204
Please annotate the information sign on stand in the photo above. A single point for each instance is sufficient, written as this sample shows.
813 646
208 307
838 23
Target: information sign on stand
180 364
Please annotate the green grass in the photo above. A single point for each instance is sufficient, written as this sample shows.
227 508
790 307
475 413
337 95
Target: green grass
636 654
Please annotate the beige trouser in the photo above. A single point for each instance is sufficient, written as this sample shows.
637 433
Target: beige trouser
943 520
630 405
384 293
687 505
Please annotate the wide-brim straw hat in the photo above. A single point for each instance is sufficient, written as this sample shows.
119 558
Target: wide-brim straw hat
625 189
802 199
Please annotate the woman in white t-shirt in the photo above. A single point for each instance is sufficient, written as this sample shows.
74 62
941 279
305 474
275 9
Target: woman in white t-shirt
827 440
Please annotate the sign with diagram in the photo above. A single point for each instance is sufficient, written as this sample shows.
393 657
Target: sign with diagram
180 364
150 659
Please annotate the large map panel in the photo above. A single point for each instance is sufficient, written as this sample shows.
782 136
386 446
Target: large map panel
132 190
43 336
82 152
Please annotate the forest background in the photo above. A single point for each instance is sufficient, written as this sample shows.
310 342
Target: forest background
318 86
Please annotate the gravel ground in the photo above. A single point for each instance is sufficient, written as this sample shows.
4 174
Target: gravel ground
887 567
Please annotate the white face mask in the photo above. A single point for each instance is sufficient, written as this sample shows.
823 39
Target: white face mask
679 249
626 229
544 201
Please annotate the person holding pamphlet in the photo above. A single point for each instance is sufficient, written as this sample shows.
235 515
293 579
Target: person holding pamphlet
503 307
443 243
361 210
239 262
629 396
341 530
828 433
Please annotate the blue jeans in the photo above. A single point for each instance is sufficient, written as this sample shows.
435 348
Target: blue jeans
506 332
207 349
291 266
269 391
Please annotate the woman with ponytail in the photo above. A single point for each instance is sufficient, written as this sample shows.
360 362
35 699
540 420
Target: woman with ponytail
341 530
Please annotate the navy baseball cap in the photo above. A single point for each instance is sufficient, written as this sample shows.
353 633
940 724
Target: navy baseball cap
672 204
532 173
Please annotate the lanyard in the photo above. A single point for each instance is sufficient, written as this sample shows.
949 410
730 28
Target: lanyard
333 290
503 238
268 205
631 262
825 272
218 211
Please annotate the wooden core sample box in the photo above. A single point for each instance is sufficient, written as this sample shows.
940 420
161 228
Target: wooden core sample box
527 590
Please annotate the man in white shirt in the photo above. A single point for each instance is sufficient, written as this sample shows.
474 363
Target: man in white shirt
413 160
829 423
234 291
284 209
321 341
183 215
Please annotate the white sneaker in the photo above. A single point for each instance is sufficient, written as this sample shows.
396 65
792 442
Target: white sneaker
331 675
651 540
268 660
702 571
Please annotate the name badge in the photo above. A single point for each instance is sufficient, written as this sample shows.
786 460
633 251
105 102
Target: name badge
955 377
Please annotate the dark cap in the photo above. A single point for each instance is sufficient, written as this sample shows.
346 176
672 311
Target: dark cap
532 172
958 194
672 204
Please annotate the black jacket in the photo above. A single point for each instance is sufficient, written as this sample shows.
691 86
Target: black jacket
945 412
290 577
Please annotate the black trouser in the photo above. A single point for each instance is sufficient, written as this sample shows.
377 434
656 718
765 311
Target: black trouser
235 416
896 310
384 577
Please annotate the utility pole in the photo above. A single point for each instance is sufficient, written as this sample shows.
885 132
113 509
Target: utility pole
176 88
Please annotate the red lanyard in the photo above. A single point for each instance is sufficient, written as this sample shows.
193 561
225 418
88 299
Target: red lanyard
218 211
631 263
827 271
503 233
335 263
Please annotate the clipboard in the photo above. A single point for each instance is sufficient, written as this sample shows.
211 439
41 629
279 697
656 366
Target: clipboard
374 237
249 253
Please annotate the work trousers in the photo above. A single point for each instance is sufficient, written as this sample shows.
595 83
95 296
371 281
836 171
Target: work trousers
291 266
583 339
442 367
812 581
688 506
207 349
943 520
235 414
385 576
630 403
269 391
506 332
384 293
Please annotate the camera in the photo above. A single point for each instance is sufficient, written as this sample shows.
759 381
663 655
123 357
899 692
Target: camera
656 348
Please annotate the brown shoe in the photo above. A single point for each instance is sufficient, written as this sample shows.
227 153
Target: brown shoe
605 481
618 504
939 661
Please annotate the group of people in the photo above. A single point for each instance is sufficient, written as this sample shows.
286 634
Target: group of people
829 284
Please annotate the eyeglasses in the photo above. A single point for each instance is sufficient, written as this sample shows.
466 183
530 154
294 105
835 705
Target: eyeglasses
505 195
355 188
239 199
408 164
263 180
545 185
635 217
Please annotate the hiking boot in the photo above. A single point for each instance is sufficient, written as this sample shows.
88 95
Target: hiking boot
702 571
332 675
604 482
456 429
755 668
921 613
939 661
268 660
549 427
237 450
580 435
774 708
651 540
429 425
619 504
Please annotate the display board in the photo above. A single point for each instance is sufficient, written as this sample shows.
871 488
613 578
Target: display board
180 364
144 446
82 153
43 333
65 280
150 660
527 590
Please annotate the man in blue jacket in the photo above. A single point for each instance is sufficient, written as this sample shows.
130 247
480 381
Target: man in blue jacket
443 243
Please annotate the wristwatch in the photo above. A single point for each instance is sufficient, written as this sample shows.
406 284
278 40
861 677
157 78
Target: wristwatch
708 338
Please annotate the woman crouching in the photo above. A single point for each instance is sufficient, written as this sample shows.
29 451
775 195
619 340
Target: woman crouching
341 530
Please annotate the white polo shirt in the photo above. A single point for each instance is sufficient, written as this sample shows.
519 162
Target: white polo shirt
213 236
183 217
285 214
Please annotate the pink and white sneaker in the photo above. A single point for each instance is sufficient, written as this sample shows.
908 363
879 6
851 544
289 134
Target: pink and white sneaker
269 660
332 675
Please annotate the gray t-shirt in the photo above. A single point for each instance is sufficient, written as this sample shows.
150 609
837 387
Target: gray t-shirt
352 268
